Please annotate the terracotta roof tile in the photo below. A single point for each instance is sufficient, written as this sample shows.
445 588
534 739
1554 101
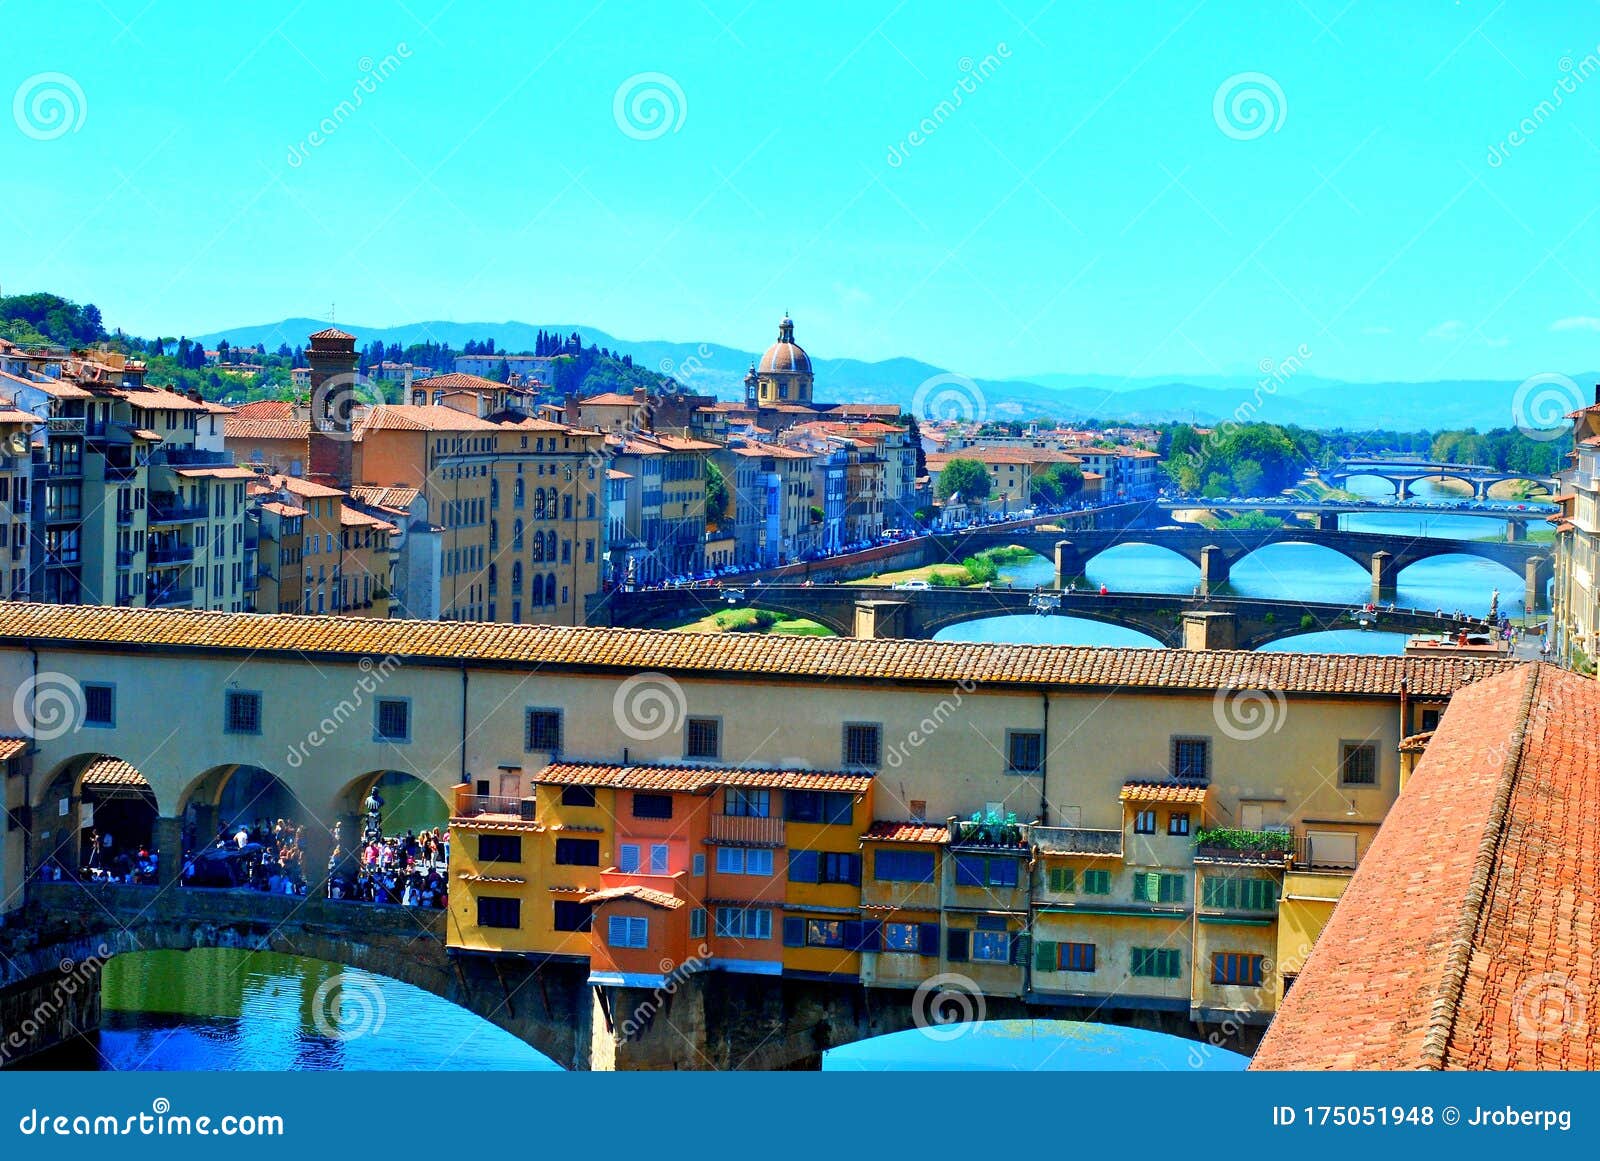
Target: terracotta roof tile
886 831
642 894
1164 790
255 427
697 779
104 773
11 747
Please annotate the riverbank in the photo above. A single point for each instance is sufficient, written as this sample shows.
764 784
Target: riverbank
750 621
983 568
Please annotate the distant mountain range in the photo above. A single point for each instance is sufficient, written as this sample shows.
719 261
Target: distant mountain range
718 370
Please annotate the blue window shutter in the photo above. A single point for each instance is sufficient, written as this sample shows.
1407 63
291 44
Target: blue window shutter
853 870
794 931
871 935
957 942
802 866
928 939
852 934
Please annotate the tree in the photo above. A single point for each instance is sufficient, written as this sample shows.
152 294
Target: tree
716 494
969 478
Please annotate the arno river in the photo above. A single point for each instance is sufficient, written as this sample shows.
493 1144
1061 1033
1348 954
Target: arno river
222 1010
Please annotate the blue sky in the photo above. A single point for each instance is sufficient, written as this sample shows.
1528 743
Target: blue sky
1085 208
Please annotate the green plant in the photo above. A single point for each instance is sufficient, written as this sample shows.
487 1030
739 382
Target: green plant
1236 839
1307 621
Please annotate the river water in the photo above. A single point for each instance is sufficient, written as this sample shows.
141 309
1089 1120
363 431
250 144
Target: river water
229 1010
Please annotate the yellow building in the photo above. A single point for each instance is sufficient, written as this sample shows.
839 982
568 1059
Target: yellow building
16 482
784 373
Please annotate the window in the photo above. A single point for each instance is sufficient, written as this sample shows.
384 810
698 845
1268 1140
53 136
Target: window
628 857
1097 882
1165 963
991 946
1144 822
699 865
744 860
572 916
1075 957
978 871
744 922
914 938
827 806
577 796
494 911
1153 887
824 867
658 858
1240 894
1024 752
1178 822
1191 758
956 943
903 866
571 852
1063 880
242 712
99 705
702 738
394 720
543 730
627 931
652 806
863 743
697 923
1358 764
746 803
499 848
1235 967
825 933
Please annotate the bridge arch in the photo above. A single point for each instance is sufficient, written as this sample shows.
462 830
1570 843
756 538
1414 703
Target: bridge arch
410 801
87 798
1166 627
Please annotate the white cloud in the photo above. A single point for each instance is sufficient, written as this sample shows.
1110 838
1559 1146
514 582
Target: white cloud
1448 331
1582 322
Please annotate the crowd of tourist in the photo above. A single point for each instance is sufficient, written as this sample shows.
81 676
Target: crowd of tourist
408 870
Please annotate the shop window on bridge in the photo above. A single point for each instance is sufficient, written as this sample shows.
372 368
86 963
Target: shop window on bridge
241 712
911 938
702 738
833 807
1240 894
1064 957
99 705
1024 752
628 931
543 730
1358 764
1153 887
570 915
577 796
394 720
1191 758
1162 963
978 871
744 922
744 860
571 852
652 806
697 923
1234 967
992 946
824 867
903 866
496 911
499 848
742 802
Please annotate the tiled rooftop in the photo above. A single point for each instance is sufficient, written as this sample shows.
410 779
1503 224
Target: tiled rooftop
1467 937
697 779
642 894
1174 790
747 655
11 747
886 831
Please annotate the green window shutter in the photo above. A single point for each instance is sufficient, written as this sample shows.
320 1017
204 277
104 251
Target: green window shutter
1069 879
1139 888
1172 889
1044 956
1055 879
1212 892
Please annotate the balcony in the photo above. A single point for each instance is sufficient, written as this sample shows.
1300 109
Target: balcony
170 554
59 469
1250 847
1078 840
64 425
194 457
121 471
168 598
988 831
745 830
492 806
176 513
124 516
124 558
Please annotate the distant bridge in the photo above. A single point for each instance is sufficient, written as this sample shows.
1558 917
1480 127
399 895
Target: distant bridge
1403 473
1327 512
882 611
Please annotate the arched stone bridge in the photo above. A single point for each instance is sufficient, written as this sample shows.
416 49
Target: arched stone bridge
880 611
57 946
1401 474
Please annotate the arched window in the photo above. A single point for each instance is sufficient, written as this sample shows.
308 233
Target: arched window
566 506
494 578
517 491
494 536
549 545
516 576
494 491
516 533
550 589
538 504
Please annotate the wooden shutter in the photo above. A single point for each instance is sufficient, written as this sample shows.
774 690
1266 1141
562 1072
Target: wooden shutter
957 942
928 939
794 931
1045 955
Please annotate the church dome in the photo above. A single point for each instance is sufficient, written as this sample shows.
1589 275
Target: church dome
785 355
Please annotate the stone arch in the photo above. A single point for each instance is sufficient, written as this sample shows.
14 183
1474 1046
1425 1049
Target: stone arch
410 802
1165 626
93 795
239 794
